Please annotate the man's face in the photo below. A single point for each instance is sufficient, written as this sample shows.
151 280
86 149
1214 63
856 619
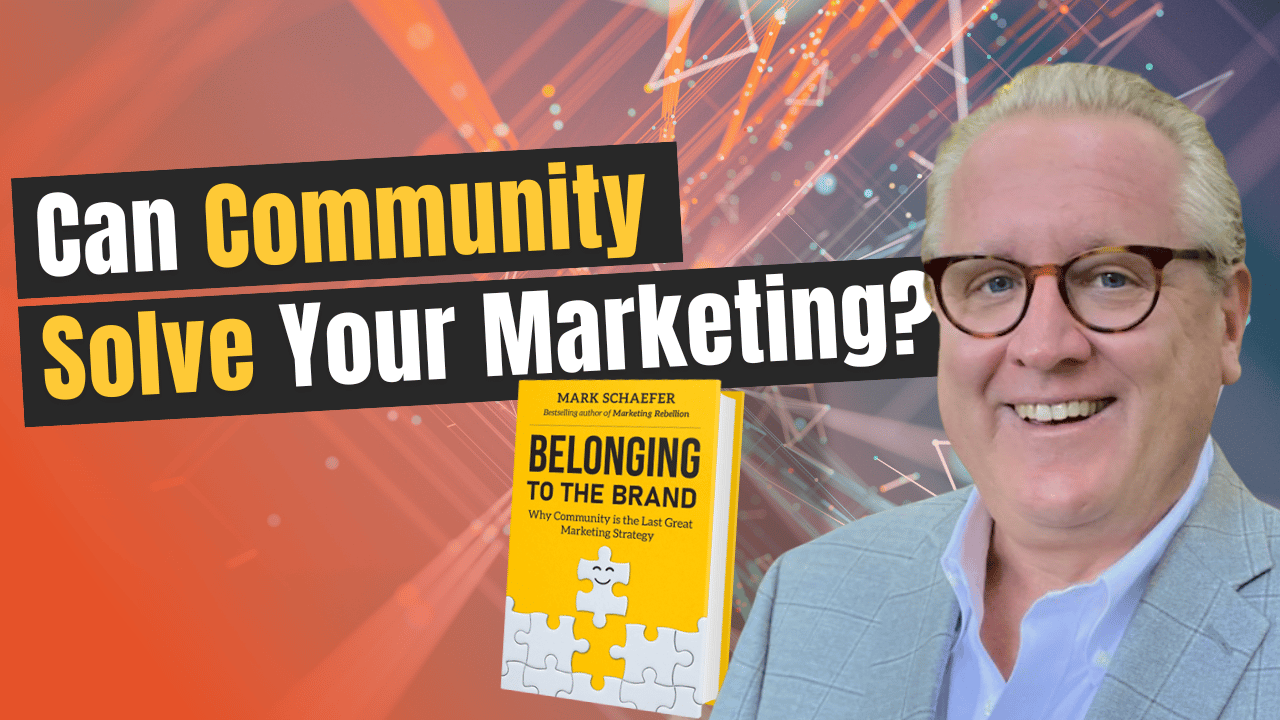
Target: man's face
1042 189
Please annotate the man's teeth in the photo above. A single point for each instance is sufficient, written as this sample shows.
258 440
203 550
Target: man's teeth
1043 412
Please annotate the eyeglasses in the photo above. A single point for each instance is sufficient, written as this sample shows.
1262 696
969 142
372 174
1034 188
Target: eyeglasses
1107 289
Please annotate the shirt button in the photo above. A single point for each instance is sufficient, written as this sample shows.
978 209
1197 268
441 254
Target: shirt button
1102 658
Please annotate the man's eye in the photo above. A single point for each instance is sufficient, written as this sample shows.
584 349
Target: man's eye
998 284
1112 280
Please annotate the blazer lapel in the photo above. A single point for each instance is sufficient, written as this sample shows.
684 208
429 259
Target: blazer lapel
933 637
1192 635
917 630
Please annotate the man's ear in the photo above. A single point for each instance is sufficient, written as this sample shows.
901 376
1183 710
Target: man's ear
1235 309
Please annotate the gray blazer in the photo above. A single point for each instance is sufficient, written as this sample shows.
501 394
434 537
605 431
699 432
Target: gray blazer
860 622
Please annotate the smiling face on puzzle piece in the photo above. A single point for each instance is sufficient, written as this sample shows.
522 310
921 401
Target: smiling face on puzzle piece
602 572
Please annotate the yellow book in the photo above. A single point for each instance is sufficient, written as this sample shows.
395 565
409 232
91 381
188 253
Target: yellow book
623 518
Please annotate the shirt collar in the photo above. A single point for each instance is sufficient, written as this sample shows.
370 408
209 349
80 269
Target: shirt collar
964 561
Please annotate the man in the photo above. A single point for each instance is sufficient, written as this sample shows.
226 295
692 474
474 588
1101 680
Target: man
1085 257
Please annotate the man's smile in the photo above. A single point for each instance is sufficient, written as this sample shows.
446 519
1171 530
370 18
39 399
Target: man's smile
1061 412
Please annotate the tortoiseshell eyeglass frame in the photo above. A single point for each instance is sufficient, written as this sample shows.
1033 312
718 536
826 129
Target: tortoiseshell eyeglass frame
1158 256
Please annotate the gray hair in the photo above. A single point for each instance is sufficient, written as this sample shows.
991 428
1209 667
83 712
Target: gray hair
1209 210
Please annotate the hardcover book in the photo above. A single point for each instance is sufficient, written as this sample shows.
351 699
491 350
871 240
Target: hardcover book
623 517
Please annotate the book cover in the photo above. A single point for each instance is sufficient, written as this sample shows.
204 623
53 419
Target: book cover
622 529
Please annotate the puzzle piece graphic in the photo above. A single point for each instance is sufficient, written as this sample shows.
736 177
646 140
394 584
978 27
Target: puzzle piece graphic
511 648
513 677
648 695
691 675
685 706
603 575
548 680
582 690
543 642
659 655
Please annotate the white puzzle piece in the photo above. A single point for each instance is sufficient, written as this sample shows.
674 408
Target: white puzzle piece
691 675
603 574
558 644
582 690
513 677
648 695
511 648
548 680
685 705
659 655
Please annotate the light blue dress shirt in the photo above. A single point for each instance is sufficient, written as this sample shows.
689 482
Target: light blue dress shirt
1068 637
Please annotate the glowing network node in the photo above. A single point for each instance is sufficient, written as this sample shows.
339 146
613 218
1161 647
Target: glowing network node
825 184
331 462
548 90
867 193
558 125
893 167
631 112
554 109
420 36
1159 13
1150 66
392 415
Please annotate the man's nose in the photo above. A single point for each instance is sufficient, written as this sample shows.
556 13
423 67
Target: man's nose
1049 335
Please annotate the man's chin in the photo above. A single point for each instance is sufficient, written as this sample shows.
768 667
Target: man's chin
1060 495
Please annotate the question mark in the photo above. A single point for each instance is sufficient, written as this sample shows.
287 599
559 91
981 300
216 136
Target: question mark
904 321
